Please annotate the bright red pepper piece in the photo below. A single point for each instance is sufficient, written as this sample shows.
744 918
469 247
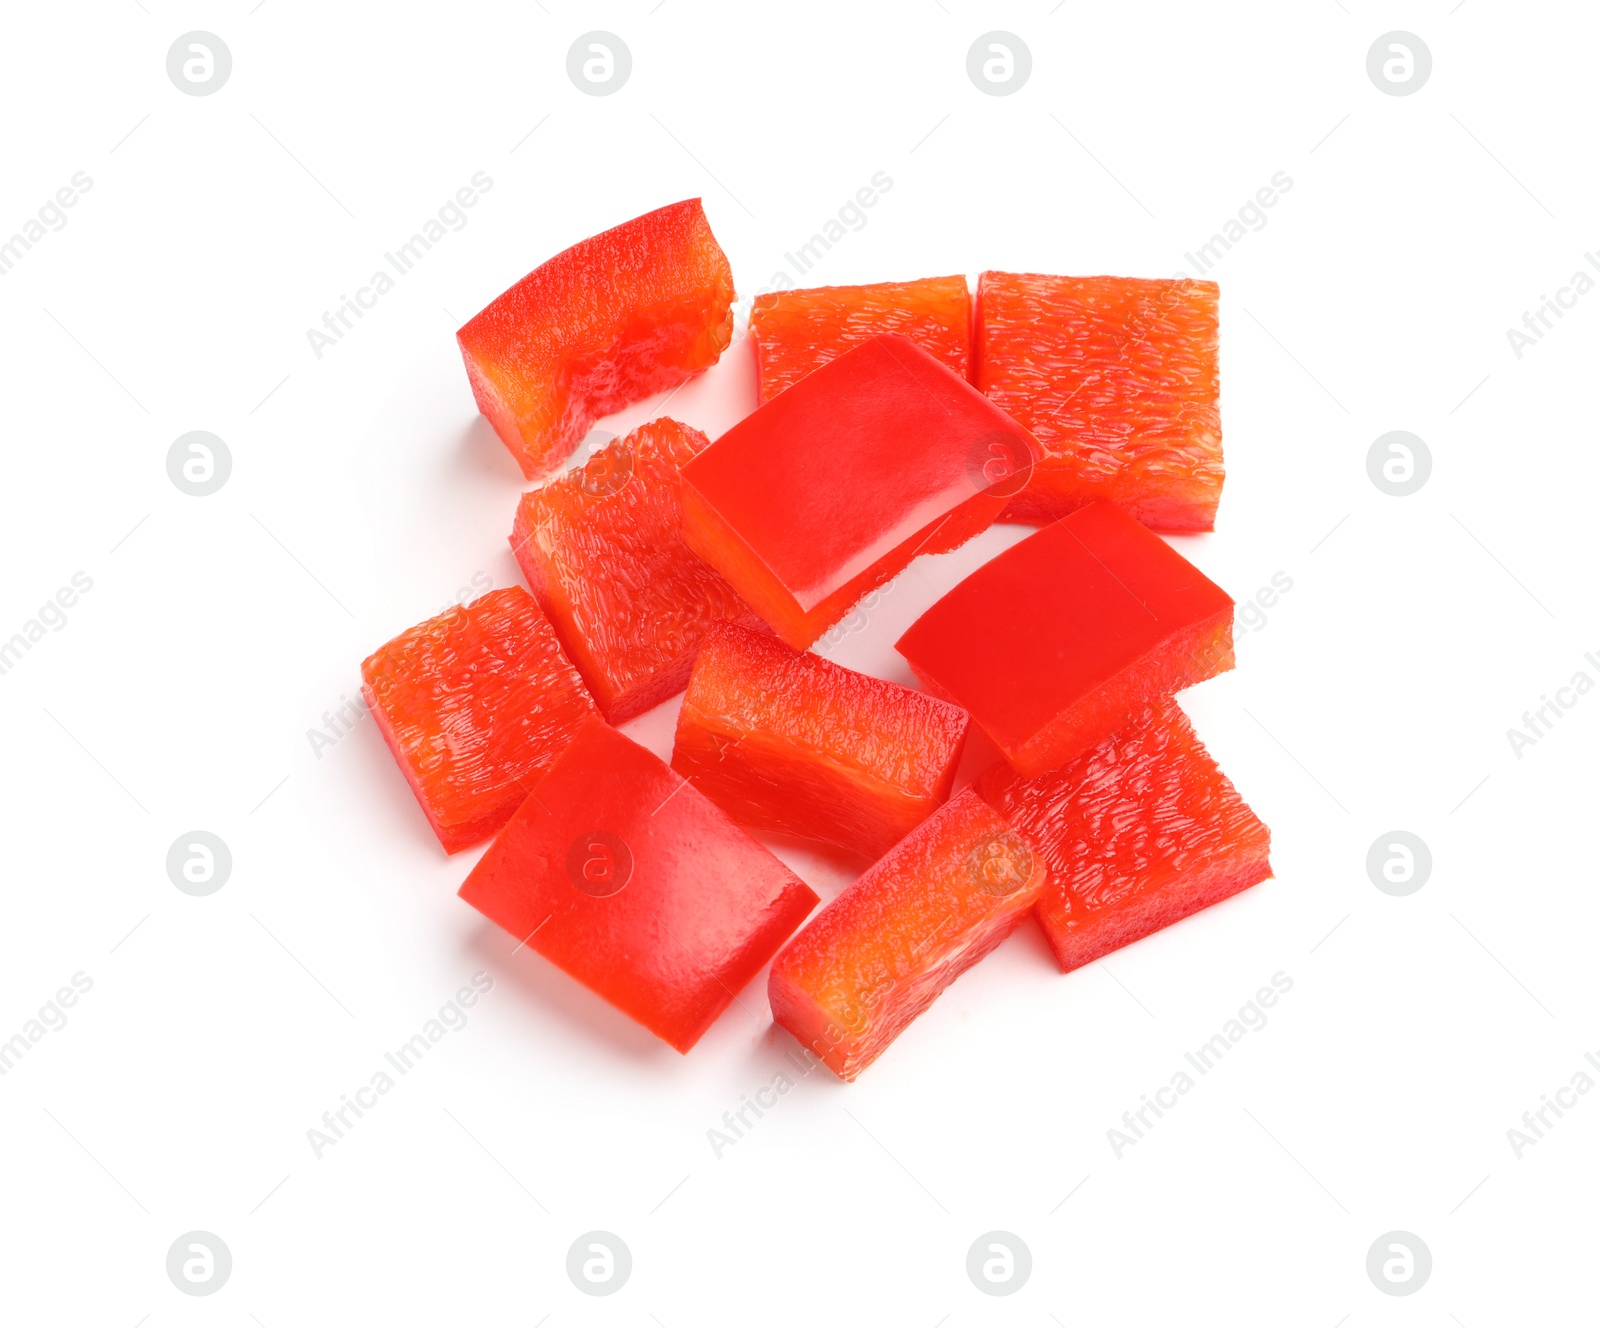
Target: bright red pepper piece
793 744
832 487
797 331
638 886
475 704
1070 635
602 546
631 311
879 954
1138 833
1117 379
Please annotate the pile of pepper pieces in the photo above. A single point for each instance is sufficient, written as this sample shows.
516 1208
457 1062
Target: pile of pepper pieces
896 419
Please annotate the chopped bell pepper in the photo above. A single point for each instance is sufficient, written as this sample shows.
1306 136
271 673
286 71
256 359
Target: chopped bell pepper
475 704
797 331
1070 634
1138 833
638 886
831 488
878 955
602 546
1117 379
791 743
634 310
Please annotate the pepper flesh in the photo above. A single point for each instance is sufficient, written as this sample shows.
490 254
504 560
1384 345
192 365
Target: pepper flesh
1070 635
793 744
638 887
626 313
602 546
878 955
1138 833
475 704
797 331
832 487
1117 379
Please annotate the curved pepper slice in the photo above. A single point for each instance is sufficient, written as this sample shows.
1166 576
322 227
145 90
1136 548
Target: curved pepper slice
638 887
791 743
1070 635
1138 833
878 955
797 331
602 546
631 311
1117 379
832 487
475 704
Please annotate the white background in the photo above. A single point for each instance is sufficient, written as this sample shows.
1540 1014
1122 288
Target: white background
365 493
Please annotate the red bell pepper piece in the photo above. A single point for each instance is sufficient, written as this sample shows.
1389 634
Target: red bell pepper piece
1070 635
602 546
475 704
832 487
878 955
1139 832
787 742
623 314
638 886
800 330
1117 379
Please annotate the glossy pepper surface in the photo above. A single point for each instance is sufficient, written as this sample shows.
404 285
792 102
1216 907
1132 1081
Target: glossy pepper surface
791 743
638 886
832 487
1069 635
631 311
602 546
878 955
1138 833
475 704
797 331
1117 379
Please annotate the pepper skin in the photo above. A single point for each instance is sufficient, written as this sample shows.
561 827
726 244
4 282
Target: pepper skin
1071 634
638 886
831 488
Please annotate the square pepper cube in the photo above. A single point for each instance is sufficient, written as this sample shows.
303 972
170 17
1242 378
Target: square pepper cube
1071 634
1117 379
631 311
638 886
475 704
796 331
1138 833
602 546
787 742
903 931
831 488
